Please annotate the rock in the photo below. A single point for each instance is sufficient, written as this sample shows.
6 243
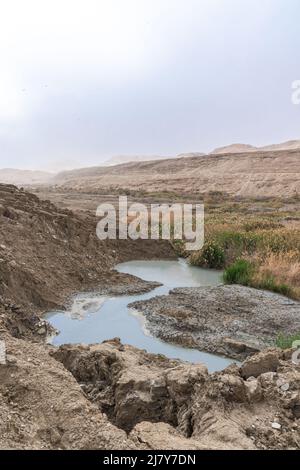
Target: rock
266 361
254 390
234 388
285 387
283 384
276 426
164 437
239 346
181 380
11 359
42 330
296 410
267 379
161 403
251 379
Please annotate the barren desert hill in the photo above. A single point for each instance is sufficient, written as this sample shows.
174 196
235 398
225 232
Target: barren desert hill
238 169
234 148
239 148
24 177
191 154
119 159
289 145
247 174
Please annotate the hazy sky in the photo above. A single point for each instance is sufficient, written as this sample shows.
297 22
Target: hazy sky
84 80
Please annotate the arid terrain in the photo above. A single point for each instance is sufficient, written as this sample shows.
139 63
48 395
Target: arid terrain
250 174
236 170
114 396
149 231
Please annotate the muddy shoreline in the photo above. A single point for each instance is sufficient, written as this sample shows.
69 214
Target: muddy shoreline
232 321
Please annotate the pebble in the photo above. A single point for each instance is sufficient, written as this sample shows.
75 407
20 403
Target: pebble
285 387
276 426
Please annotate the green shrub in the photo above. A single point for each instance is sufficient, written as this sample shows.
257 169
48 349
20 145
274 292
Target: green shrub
269 283
211 256
240 272
239 241
286 341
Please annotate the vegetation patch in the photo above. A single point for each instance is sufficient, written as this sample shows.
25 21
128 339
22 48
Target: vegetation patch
256 242
286 341
211 256
240 272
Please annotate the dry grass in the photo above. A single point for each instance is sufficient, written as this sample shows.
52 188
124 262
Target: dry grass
284 268
268 238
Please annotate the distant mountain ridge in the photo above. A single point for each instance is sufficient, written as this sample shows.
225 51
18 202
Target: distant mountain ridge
234 148
239 148
119 159
111 171
24 177
248 174
190 154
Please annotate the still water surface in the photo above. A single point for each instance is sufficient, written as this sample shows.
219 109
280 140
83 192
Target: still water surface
94 318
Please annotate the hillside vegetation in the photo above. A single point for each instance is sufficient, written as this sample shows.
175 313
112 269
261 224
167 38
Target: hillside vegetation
259 249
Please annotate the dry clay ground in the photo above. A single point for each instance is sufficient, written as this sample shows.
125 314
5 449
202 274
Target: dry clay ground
112 396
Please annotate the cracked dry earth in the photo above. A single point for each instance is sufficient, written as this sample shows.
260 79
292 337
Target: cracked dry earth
109 395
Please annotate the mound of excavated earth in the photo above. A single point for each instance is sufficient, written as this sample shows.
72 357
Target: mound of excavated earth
86 397
167 404
43 407
230 320
47 254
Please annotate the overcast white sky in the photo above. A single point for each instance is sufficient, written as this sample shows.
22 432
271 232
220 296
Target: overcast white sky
83 80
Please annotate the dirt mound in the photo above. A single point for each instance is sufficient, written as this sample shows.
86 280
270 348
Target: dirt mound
43 407
165 404
228 409
47 253
130 385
